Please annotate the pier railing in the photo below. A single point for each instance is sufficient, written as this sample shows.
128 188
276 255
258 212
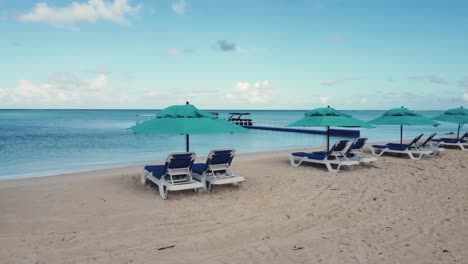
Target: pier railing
264 123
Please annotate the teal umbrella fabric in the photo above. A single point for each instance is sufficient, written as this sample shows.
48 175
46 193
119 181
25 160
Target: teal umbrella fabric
456 115
402 117
185 120
327 117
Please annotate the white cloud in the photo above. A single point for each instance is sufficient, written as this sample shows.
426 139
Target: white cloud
264 84
179 53
153 93
340 81
98 84
26 92
243 86
61 89
465 96
259 92
179 7
173 52
177 96
432 78
101 70
86 12
324 99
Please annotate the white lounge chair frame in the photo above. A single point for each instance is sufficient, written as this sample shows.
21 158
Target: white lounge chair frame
434 149
338 162
363 158
213 176
359 155
413 153
170 181
461 145
430 146
462 142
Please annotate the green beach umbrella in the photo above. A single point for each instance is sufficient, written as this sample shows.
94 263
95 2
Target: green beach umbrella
327 117
456 115
185 120
402 117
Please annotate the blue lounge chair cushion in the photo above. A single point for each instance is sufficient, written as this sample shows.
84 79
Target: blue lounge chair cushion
396 146
319 155
462 139
429 139
359 144
379 146
199 168
176 161
447 140
157 170
219 157
222 157
180 161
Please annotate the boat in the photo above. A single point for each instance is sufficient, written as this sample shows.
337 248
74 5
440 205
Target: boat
237 119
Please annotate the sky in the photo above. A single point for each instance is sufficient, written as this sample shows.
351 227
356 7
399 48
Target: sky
243 54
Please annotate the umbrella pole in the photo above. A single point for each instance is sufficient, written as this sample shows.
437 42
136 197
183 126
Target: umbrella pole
187 140
401 135
458 133
328 138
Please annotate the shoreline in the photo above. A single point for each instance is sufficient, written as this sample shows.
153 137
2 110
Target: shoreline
140 164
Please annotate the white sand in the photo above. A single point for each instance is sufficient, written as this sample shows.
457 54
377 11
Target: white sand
400 211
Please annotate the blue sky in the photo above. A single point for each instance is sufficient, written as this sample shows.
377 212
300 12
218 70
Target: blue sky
276 54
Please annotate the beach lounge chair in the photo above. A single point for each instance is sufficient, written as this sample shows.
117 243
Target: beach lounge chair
410 149
462 142
217 169
174 175
333 157
355 152
428 145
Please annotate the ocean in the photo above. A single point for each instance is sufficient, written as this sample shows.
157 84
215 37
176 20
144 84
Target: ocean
46 142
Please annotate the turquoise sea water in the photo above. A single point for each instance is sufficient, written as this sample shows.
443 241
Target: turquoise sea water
46 142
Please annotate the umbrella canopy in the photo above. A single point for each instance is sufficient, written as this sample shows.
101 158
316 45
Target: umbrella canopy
456 115
185 120
323 117
327 117
402 117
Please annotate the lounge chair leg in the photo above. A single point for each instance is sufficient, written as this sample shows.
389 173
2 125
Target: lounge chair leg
143 175
206 185
163 192
291 160
413 157
330 167
380 153
375 153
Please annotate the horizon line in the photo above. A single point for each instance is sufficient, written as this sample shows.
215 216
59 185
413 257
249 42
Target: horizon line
230 109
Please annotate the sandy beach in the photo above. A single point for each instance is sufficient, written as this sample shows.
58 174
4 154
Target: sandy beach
398 211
